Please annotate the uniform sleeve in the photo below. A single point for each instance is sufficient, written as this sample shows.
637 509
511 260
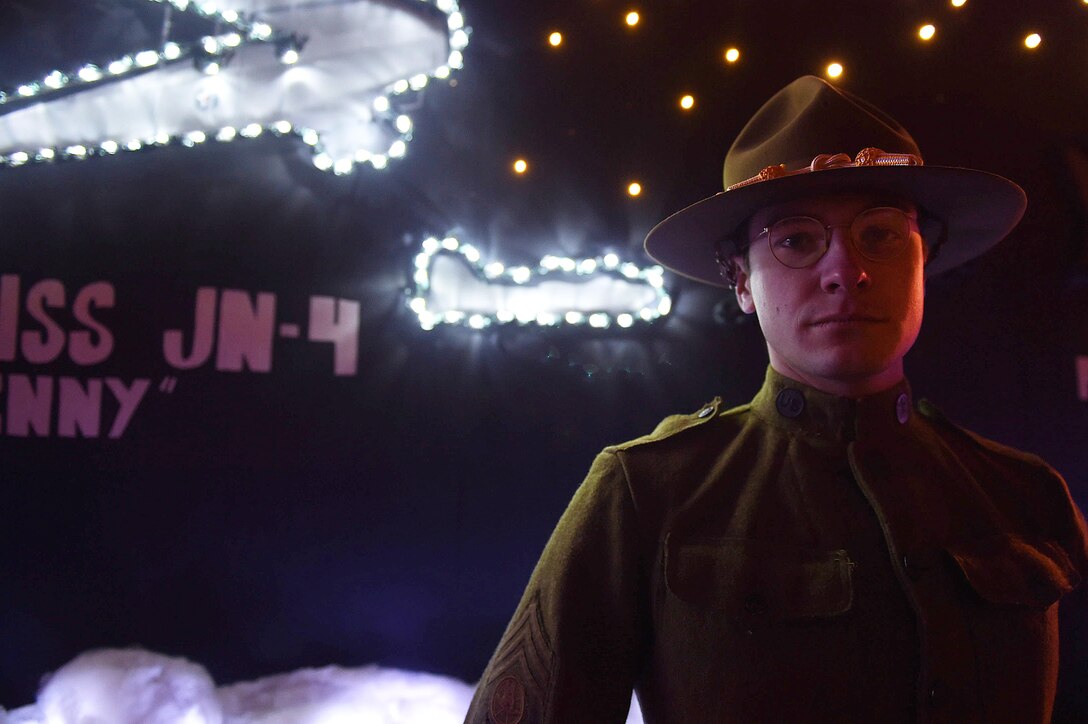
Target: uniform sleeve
1067 526
575 644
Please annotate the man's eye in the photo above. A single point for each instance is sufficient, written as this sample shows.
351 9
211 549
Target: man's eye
798 241
880 239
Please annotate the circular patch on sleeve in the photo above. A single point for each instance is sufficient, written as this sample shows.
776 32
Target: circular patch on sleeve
507 701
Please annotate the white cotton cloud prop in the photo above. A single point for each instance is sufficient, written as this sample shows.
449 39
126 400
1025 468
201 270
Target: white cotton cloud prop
129 686
332 695
133 686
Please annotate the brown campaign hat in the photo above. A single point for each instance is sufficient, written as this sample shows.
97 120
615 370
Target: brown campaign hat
814 138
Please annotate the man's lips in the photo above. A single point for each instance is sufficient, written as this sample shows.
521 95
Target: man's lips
849 318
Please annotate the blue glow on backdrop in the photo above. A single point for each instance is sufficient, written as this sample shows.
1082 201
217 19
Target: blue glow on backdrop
334 75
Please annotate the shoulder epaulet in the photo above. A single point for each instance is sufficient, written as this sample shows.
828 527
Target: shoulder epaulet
675 424
928 409
931 412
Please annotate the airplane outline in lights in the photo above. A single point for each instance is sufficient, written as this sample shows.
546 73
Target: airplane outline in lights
599 292
339 75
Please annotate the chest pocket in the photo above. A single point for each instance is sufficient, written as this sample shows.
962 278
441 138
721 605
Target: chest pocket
758 581
1012 570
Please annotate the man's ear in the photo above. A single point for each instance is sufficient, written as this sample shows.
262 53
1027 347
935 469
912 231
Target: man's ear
743 288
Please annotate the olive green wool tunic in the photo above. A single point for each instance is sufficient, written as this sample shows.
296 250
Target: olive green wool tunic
802 558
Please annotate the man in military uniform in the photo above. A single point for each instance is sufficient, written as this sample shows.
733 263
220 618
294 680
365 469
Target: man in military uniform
833 551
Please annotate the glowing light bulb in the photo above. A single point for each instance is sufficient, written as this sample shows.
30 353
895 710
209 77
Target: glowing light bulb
587 266
732 55
687 102
961 3
632 19
834 70
521 166
1032 41
555 39
634 188
289 56
926 32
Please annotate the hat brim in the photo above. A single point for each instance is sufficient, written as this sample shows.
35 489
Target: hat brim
977 208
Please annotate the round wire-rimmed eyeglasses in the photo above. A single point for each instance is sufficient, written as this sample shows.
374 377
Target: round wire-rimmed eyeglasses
879 234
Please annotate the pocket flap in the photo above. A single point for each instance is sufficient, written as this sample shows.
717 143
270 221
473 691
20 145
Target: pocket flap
1010 569
754 579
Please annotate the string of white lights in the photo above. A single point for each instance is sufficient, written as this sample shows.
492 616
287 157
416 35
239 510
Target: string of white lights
549 268
211 54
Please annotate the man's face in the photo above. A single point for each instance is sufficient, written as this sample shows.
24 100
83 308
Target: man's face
843 324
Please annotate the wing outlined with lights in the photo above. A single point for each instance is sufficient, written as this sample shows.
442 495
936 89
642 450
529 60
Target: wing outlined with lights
338 75
452 285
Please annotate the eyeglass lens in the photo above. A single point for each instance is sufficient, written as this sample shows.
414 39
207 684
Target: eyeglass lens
879 234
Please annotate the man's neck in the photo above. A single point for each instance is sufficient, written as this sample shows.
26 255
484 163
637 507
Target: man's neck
842 385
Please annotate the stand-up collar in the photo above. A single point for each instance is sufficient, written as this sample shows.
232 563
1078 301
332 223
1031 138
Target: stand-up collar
796 407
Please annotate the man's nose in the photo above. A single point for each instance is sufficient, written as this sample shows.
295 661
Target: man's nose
842 267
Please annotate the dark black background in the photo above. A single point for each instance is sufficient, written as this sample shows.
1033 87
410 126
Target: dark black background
257 523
